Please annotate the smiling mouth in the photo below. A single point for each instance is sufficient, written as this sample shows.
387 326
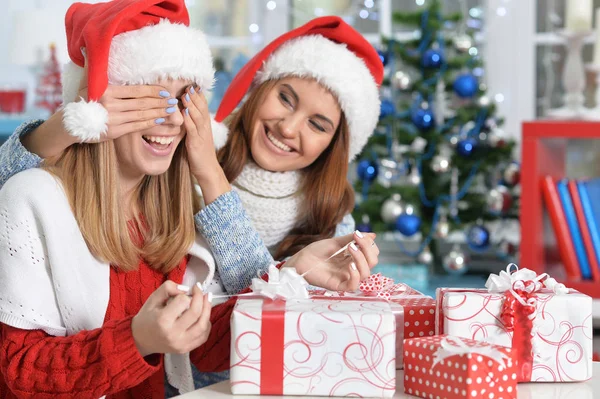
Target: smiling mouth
276 142
159 142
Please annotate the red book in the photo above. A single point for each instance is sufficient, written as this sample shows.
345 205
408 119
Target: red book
585 231
561 228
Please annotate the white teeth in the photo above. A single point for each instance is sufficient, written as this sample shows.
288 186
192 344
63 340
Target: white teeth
159 139
278 143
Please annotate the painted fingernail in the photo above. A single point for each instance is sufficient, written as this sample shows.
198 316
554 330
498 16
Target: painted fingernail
159 121
183 288
170 110
173 101
359 234
187 111
354 247
199 285
209 297
187 97
353 266
191 90
164 94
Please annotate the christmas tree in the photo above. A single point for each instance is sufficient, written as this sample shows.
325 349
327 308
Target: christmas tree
49 90
438 161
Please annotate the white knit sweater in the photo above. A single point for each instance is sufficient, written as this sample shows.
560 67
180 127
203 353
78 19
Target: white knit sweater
272 200
49 279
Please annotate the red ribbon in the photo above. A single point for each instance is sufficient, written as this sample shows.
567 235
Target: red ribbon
517 319
380 286
271 348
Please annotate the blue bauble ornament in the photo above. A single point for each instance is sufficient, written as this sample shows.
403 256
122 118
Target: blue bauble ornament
466 147
387 109
478 237
466 85
422 118
364 227
383 56
367 170
432 58
408 224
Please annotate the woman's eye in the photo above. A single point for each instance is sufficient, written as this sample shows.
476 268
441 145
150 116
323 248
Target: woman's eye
317 126
285 98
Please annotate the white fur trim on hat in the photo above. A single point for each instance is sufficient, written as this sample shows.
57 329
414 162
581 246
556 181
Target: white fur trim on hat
220 131
143 56
164 50
338 69
85 120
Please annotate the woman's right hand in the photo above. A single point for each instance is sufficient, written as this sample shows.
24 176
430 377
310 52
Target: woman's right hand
171 321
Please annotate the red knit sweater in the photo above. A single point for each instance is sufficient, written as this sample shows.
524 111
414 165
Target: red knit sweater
104 361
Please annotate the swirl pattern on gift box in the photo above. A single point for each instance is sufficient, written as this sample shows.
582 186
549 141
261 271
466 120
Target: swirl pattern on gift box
334 347
559 342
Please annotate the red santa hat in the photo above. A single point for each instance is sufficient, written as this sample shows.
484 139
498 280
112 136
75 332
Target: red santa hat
330 51
128 42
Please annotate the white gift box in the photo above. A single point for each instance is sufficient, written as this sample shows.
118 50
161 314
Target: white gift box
316 346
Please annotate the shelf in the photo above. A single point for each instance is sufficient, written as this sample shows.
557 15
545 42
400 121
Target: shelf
544 149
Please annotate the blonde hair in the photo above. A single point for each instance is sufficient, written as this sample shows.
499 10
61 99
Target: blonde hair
161 234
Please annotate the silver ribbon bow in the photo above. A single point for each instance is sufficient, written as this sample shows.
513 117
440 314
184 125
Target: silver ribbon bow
457 346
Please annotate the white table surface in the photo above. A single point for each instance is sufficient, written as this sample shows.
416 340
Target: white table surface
568 390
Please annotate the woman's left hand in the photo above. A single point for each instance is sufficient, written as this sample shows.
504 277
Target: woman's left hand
202 155
342 272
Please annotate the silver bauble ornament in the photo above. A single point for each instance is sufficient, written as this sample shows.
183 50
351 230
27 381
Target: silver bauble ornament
401 80
512 174
440 163
463 42
496 138
414 177
483 101
391 209
499 200
390 172
443 227
455 262
425 257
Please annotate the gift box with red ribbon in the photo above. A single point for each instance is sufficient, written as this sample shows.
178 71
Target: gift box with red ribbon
450 367
318 346
548 326
414 312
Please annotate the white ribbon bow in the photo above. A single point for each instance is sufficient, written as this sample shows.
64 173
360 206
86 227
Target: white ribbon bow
507 281
285 283
458 347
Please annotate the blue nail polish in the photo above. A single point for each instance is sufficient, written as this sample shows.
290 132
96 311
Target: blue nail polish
170 110
187 97
173 101
187 111
192 89
164 94
159 121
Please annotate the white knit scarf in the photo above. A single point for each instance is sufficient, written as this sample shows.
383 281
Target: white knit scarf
272 200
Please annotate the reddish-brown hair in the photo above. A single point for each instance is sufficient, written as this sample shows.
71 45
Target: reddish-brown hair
327 192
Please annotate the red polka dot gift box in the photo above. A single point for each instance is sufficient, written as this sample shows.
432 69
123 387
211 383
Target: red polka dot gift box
548 326
448 367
